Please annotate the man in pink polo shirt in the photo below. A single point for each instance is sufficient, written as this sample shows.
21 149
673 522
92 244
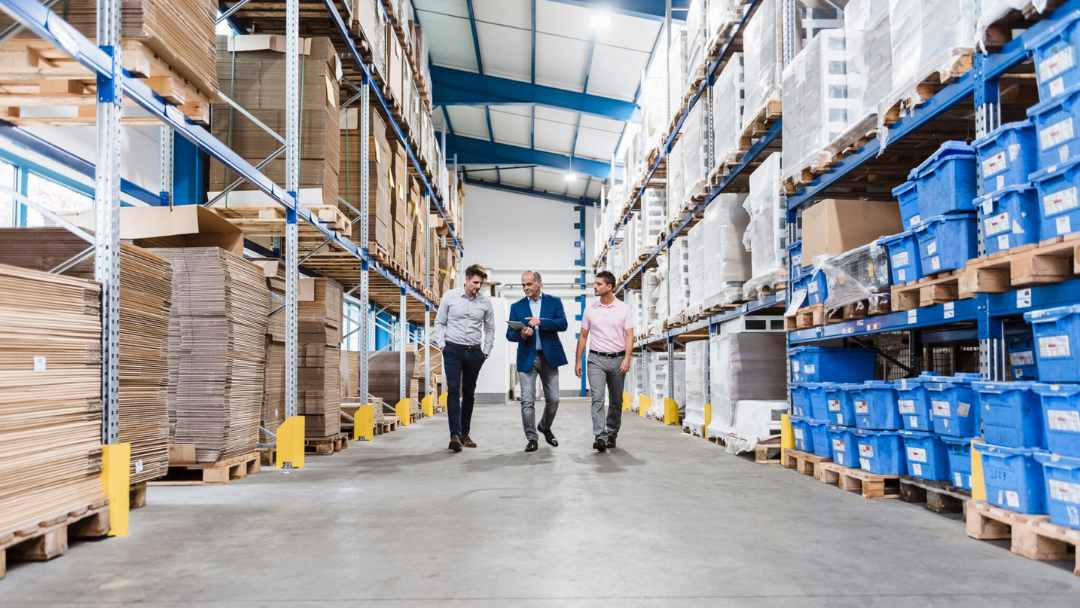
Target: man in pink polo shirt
608 328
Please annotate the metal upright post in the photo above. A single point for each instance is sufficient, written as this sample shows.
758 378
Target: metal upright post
365 126
403 339
292 181
167 164
107 215
427 310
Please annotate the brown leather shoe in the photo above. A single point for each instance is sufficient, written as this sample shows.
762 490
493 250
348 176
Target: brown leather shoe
467 441
455 443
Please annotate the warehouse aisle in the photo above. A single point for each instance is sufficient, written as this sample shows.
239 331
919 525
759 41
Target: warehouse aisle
664 520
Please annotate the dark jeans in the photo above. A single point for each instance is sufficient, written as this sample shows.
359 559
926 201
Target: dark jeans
461 365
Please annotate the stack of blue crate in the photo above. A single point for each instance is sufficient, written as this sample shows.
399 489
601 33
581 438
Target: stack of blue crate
816 371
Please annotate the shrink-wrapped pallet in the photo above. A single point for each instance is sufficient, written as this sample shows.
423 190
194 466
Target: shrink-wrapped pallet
727 100
762 58
676 76
653 219
869 59
726 262
747 379
696 160
696 388
658 388
695 242
697 34
679 277
766 234
675 191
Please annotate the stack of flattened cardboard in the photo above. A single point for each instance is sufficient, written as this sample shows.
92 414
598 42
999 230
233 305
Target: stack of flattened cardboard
380 176
217 353
50 397
319 375
145 292
251 71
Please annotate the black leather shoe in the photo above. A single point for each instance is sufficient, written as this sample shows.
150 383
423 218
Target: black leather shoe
599 445
550 438
455 443
467 442
611 442
531 446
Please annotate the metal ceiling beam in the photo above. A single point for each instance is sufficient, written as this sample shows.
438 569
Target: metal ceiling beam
531 192
458 87
648 9
480 152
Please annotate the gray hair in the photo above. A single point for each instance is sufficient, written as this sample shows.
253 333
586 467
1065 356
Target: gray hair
536 276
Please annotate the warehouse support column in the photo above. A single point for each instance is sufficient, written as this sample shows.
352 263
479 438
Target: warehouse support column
671 407
116 457
365 150
428 404
404 404
166 164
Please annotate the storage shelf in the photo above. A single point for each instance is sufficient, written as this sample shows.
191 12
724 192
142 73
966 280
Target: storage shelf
769 302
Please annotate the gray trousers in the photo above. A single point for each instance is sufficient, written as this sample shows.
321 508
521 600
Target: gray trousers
549 377
604 373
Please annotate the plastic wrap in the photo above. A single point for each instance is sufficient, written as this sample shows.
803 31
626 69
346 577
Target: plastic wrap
926 36
696 37
766 234
695 155
990 11
674 179
727 100
653 219
723 14
726 262
676 68
859 274
745 366
762 58
658 381
653 102
816 98
869 58
696 389
695 241
679 277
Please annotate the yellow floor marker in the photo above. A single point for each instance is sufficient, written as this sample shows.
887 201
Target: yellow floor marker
708 418
671 412
364 423
442 401
403 409
787 436
290 443
116 482
644 403
978 484
625 401
427 405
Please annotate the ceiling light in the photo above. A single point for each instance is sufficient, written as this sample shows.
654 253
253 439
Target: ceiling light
600 21
570 177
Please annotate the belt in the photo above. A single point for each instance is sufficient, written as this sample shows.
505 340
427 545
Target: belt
621 353
464 346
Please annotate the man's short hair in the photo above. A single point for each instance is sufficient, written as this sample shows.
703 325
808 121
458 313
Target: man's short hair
476 270
607 277
536 275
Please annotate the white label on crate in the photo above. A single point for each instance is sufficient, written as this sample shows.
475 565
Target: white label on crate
1012 499
1014 151
795 366
839 419
901 275
963 409
915 220
861 407
1024 357
838 445
1063 420
913 316
1057 87
834 405
931 247
906 406
949 310
900 259
916 454
995 164
935 263
138 466
942 409
40 363
866 450
1063 491
813 287
1060 201
988 205
1057 63
916 469
1023 297
1056 134
958 480
999 182
799 434
913 422
1063 225
810 369
1003 242
1054 347
864 464
1063 153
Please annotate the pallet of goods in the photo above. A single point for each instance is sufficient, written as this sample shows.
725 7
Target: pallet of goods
380 237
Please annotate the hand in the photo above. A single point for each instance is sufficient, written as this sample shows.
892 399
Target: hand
577 369
624 366
526 332
534 322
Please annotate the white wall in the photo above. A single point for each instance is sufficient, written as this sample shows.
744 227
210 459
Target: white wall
507 233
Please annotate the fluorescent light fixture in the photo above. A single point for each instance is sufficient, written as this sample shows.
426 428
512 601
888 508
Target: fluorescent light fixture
600 21
570 178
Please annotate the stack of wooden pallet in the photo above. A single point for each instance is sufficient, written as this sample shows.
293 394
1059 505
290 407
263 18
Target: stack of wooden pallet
50 399
145 293
217 352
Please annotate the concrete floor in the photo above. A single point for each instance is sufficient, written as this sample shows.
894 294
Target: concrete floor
664 520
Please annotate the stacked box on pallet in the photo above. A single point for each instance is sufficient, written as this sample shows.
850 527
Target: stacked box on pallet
697 361
766 234
679 277
380 176
725 262
252 72
748 387
867 37
217 351
146 286
50 402
727 108
370 19
762 59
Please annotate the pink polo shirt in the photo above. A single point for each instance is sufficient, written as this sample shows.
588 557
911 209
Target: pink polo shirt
607 325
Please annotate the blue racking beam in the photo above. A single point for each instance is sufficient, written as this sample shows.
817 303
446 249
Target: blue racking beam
470 150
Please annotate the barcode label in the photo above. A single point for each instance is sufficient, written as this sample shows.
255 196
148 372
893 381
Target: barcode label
900 259
1023 298
907 406
1063 420
995 164
1056 134
866 450
1057 63
1054 347
942 409
916 454
1060 201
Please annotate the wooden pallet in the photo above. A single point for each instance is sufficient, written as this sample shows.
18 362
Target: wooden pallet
222 471
768 113
1032 536
767 451
137 496
50 538
325 445
40 84
959 63
811 316
944 287
1051 261
803 462
267 456
387 425
869 485
1000 32
269 220
938 496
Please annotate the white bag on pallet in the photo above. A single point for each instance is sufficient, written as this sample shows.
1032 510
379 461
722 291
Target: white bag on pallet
696 363
766 234
696 161
762 59
726 263
727 100
869 58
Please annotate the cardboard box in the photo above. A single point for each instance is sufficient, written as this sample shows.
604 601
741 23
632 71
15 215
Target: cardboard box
833 226
181 226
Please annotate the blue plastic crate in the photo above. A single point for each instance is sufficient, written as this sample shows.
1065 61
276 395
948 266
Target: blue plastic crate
1009 217
1061 417
822 444
1011 414
926 456
904 261
1056 123
959 452
800 400
954 405
907 198
875 406
1021 351
1056 334
1062 475
947 242
838 401
824 364
946 181
913 402
1059 204
819 409
845 450
1007 155
1013 478
804 440
817 288
881 452
1055 52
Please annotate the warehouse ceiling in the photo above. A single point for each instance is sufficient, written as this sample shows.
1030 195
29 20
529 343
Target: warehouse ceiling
533 91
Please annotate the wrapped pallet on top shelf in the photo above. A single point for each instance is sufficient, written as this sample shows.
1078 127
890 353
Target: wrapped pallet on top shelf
252 72
380 178
748 388
217 352
762 62
697 33
727 100
766 234
725 262
370 19
50 398
696 373
676 76
723 15
145 292
868 40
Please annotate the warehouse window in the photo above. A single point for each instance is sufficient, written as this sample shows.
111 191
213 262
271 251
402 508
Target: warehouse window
56 197
8 208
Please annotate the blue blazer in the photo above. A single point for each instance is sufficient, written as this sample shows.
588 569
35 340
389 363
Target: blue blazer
552 321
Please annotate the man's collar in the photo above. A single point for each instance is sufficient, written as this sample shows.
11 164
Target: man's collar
539 296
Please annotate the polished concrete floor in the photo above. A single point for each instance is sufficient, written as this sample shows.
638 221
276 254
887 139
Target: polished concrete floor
665 520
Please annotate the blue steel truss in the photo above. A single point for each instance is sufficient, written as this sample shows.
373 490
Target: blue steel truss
470 150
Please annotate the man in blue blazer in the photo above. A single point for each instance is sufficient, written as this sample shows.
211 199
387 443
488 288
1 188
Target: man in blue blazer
539 353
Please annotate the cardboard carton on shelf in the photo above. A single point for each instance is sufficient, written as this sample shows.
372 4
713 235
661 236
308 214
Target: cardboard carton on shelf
833 226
